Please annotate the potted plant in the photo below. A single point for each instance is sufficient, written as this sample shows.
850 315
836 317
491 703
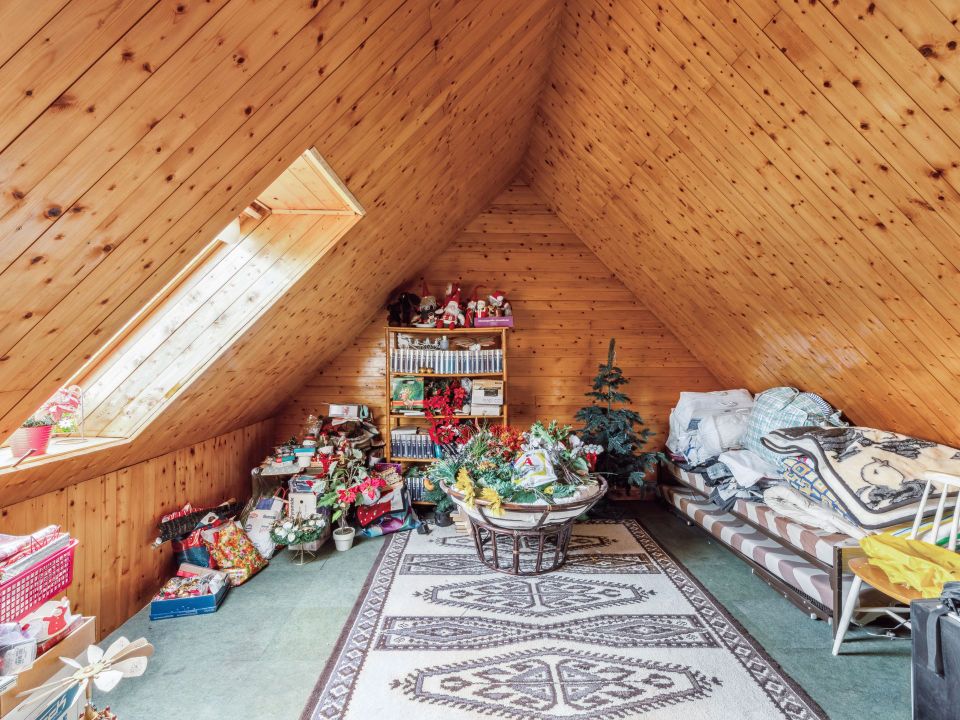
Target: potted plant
33 436
619 430
442 504
349 482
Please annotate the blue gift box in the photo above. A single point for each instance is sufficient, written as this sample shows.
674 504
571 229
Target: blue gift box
183 607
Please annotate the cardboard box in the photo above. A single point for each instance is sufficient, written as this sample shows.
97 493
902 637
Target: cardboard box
346 412
487 410
303 504
185 607
48 664
486 392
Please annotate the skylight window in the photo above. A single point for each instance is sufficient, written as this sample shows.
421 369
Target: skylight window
213 300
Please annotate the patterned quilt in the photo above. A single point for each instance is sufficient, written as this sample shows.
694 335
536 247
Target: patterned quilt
876 475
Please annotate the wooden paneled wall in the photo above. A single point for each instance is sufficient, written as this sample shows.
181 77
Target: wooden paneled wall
567 305
115 517
779 181
132 132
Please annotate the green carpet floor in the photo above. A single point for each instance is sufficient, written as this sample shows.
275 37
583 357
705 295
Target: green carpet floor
260 655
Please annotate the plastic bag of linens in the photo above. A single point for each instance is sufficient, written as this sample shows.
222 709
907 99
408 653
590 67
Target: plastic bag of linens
704 424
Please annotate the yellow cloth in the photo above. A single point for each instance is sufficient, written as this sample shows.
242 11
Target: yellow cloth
914 563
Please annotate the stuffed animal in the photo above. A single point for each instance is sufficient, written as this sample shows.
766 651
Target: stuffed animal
499 306
402 310
451 316
427 308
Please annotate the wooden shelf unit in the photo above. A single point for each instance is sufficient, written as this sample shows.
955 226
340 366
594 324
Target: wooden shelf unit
395 420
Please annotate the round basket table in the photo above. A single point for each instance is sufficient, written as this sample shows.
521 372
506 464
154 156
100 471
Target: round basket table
525 539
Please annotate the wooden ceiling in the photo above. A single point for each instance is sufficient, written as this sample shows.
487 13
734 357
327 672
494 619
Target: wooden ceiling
132 131
778 180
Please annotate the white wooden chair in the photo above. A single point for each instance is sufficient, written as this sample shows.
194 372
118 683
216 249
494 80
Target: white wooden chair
864 572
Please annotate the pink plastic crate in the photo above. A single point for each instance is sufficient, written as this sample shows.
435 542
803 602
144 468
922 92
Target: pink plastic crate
29 590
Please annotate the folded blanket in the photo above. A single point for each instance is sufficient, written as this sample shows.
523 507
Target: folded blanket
876 475
786 501
747 467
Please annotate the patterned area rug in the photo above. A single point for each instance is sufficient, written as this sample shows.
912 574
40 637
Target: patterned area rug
621 631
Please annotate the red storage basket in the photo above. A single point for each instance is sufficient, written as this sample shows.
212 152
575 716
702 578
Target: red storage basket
31 588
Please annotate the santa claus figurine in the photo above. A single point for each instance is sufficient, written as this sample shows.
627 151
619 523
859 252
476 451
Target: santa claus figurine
451 317
499 305
473 307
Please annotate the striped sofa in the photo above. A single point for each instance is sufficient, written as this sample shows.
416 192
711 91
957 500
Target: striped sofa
807 565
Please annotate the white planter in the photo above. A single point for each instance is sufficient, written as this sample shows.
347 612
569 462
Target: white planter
343 538
518 517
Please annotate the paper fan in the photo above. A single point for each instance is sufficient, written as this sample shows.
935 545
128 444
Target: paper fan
103 670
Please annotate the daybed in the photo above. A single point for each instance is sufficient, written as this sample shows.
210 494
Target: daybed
791 488
801 562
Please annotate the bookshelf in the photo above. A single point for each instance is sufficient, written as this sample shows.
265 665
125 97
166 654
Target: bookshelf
467 365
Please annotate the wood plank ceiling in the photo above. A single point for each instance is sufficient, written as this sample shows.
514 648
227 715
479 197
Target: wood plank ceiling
779 181
132 131
567 307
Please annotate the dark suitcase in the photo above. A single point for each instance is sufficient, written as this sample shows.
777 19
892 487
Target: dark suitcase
936 661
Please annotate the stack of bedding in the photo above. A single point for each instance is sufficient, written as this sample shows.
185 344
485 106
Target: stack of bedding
799 473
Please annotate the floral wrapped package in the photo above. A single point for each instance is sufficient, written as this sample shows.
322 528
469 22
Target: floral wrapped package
234 553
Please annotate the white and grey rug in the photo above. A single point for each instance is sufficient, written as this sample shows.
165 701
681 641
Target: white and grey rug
621 631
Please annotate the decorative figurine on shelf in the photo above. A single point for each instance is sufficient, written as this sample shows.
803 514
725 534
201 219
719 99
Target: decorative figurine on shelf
403 310
427 310
452 315
482 310
499 305
471 312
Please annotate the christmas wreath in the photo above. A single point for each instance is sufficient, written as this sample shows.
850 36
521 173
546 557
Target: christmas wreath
298 530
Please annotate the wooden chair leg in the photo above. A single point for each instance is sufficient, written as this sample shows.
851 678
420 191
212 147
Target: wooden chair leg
848 609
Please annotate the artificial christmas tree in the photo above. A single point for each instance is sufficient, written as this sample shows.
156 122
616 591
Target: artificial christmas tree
619 430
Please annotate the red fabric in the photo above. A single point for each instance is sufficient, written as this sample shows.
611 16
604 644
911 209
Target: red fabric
366 514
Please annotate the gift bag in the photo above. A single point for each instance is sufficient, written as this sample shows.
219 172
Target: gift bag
394 514
233 552
259 522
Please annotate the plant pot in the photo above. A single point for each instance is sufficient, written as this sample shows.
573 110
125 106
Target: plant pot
442 519
30 438
343 538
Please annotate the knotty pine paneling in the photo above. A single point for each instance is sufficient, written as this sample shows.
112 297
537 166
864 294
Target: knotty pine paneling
115 517
778 181
567 304
156 122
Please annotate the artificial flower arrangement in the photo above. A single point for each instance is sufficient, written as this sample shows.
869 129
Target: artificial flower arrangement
298 530
441 406
498 465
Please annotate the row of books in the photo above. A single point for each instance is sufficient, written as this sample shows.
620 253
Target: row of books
411 446
449 362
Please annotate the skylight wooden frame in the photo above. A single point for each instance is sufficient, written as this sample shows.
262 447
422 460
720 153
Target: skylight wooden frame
282 247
